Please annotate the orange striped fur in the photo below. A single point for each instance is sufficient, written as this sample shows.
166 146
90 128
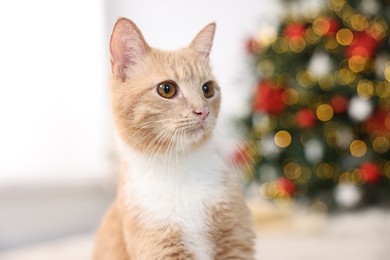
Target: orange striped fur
177 199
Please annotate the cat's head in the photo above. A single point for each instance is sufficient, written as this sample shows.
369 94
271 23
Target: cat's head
162 101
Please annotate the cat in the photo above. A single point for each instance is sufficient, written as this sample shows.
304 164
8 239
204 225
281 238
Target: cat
177 198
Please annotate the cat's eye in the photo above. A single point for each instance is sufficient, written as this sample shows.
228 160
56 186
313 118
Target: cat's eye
167 89
208 90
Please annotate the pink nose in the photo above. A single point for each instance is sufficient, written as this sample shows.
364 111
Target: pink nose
202 113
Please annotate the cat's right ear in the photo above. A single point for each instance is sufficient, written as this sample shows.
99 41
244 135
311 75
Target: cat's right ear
204 40
127 47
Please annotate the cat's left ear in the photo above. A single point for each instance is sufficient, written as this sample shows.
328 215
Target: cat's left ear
204 40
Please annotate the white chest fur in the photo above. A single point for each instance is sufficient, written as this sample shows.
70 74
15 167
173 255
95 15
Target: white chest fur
176 189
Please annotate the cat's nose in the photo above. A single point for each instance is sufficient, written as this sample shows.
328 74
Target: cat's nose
202 113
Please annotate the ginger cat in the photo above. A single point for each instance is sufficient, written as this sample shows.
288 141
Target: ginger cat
177 198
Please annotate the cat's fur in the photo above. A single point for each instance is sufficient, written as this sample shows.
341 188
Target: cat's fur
176 197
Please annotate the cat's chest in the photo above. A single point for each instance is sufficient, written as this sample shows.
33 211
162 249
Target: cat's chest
179 193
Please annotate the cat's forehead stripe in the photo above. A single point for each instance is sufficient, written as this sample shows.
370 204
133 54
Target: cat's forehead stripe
185 69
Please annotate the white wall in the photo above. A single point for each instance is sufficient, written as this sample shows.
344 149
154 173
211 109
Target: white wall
53 106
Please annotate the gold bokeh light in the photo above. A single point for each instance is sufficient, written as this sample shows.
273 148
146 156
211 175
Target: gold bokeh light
381 144
282 139
365 88
359 22
324 112
358 148
292 170
344 36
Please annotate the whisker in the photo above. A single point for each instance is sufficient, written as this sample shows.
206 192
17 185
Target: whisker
237 146
162 141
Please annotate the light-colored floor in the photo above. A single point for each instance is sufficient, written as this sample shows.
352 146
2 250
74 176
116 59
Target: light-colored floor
360 235
31 214
293 235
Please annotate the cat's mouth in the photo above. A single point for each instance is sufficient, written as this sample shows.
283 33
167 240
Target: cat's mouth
196 131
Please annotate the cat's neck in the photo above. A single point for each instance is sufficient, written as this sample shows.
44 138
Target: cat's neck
172 164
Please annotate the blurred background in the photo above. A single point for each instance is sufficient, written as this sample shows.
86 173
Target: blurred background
306 83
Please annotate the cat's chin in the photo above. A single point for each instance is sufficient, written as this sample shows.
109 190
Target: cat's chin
197 136
199 130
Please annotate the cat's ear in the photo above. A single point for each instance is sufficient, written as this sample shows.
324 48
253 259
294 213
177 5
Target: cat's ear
127 46
204 40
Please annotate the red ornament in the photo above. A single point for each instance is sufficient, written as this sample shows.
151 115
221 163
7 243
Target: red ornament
269 99
305 118
250 46
370 172
339 104
285 185
295 31
363 45
379 122
333 26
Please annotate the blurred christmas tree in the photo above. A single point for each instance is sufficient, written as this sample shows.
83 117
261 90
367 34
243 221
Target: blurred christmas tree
319 128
